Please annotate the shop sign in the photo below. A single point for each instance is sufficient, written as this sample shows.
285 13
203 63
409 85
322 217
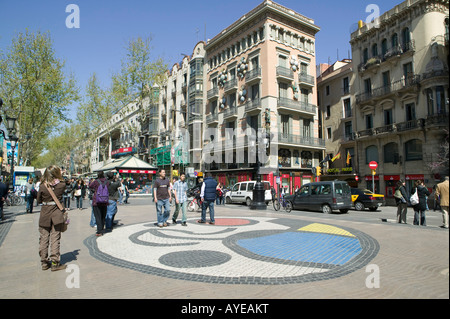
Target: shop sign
136 171
122 151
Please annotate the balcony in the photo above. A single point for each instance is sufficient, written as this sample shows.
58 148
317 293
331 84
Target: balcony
298 140
195 117
296 106
213 93
253 75
407 126
285 73
230 113
411 82
212 119
306 80
253 106
230 85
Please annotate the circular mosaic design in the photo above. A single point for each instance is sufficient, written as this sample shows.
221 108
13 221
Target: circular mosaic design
194 259
253 250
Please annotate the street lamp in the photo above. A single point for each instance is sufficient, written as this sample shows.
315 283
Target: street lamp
259 201
13 140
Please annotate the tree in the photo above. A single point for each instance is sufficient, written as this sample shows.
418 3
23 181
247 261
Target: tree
441 158
35 89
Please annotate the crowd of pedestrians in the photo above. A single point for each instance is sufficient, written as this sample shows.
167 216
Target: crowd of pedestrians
106 192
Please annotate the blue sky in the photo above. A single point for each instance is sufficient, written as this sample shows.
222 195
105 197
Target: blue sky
175 26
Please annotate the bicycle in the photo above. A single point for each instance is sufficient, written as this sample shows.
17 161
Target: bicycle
194 205
14 200
287 205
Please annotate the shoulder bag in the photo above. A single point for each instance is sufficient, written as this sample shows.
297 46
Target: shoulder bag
415 198
60 207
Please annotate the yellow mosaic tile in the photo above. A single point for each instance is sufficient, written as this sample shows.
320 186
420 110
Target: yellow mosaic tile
327 229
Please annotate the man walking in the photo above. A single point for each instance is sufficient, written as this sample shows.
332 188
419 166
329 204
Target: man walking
162 197
3 195
442 193
208 196
180 192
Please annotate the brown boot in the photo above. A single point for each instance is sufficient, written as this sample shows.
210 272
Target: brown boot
45 265
57 266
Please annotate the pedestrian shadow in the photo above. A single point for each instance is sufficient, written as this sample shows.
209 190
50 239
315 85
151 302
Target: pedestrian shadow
69 256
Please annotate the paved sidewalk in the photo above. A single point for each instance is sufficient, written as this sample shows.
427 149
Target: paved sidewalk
247 254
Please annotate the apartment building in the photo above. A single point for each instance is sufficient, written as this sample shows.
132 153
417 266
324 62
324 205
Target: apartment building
400 69
260 77
336 109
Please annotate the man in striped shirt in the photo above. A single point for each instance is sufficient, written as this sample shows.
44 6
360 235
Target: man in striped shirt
180 192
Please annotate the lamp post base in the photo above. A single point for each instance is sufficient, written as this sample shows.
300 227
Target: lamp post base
259 202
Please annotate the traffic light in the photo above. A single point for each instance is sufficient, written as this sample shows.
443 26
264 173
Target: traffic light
318 171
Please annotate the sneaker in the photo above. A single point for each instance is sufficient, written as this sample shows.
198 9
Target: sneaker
183 224
201 222
211 223
57 266
174 221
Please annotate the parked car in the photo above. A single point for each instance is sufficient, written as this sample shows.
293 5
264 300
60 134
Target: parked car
363 199
323 196
242 192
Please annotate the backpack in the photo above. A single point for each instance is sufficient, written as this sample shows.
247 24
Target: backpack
102 193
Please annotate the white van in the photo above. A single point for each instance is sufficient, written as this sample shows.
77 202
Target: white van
242 192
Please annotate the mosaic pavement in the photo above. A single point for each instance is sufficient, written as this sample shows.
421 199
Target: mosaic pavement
247 250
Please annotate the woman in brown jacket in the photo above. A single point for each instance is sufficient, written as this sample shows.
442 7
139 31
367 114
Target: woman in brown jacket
51 218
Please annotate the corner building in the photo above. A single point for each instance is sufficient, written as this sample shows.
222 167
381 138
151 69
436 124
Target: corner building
260 74
401 88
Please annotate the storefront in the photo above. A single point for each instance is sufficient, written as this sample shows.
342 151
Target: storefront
20 178
410 179
369 183
390 182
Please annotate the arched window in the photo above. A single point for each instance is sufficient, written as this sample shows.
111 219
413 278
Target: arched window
390 152
384 47
371 154
413 150
374 50
365 55
406 39
394 41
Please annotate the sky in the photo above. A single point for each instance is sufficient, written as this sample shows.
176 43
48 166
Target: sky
98 45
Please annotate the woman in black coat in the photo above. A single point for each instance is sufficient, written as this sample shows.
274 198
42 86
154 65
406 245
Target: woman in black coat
419 209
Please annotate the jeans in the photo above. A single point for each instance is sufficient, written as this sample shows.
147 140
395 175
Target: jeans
66 201
29 198
120 197
220 200
183 206
79 201
162 217
419 218
110 213
205 205
92 223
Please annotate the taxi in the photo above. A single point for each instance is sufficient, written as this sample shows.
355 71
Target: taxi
363 199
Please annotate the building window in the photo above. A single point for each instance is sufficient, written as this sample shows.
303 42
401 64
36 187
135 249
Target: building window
348 133
374 50
328 111
384 47
283 90
369 121
413 150
346 86
365 55
306 128
410 112
329 133
371 154
255 92
347 108
394 41
430 104
327 90
388 120
440 100
232 100
285 125
390 152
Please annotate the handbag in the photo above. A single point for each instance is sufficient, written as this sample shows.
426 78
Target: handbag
77 192
414 198
61 208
